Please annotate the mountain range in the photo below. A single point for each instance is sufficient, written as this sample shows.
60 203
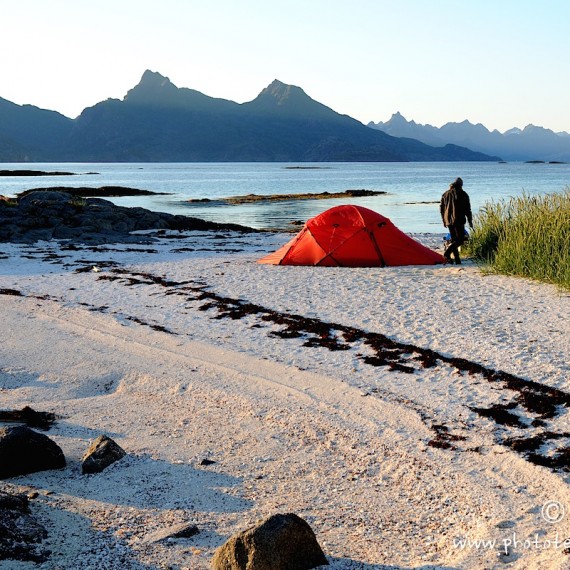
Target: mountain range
530 143
159 122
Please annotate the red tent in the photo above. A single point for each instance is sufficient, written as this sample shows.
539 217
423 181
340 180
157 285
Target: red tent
352 236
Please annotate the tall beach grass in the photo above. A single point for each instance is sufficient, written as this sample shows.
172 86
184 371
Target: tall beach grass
527 236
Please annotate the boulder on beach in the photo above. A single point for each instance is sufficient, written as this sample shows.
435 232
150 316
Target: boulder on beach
101 453
20 533
27 416
23 451
280 542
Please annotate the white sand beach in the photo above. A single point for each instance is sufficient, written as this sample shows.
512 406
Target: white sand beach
392 466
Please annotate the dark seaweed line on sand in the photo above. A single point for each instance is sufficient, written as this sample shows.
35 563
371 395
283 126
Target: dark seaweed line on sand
17 293
540 401
101 309
12 292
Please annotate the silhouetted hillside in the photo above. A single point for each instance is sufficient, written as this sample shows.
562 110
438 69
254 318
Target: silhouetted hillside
159 122
531 143
27 132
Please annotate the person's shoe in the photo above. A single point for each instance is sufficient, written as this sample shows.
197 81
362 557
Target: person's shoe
457 261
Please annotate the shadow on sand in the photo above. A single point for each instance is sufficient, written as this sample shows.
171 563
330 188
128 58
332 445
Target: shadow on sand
350 564
146 483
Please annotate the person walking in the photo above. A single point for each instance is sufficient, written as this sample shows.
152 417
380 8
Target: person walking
455 209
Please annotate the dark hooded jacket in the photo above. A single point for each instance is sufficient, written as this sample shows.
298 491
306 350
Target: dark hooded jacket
455 206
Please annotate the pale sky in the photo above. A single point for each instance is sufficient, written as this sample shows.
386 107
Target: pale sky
502 63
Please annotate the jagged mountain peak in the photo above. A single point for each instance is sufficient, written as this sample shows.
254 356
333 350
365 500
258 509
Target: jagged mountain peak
279 93
397 117
276 87
530 143
154 78
157 91
151 88
396 121
292 101
530 128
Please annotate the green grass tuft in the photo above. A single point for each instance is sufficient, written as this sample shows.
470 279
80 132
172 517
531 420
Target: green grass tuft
528 236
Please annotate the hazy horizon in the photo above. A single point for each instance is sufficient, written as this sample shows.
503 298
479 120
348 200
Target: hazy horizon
324 102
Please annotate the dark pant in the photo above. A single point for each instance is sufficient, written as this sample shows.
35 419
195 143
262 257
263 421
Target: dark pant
457 233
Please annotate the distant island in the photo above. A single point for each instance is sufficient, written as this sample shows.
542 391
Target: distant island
102 192
305 167
250 198
34 173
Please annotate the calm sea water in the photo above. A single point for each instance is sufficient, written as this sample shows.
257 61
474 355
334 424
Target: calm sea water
411 201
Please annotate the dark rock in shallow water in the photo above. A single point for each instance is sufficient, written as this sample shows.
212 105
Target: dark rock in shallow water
281 542
23 451
45 215
33 173
20 533
102 191
43 196
251 198
101 453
